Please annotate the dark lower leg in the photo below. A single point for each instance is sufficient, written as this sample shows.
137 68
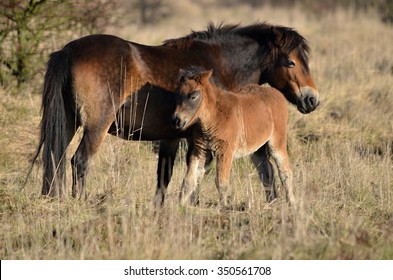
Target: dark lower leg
166 159
79 163
266 172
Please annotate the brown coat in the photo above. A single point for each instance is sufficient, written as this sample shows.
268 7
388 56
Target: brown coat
231 125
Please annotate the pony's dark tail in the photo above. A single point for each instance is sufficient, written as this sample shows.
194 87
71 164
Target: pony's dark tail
56 93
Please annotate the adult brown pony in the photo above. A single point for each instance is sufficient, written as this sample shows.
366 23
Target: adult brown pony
231 125
106 84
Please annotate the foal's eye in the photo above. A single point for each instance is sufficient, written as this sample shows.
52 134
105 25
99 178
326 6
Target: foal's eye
193 96
290 63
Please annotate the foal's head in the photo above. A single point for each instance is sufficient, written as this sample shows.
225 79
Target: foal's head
289 71
191 90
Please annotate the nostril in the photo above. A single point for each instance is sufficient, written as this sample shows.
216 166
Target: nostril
175 121
178 123
311 101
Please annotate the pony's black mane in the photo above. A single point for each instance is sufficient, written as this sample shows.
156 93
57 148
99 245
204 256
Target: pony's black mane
191 72
275 37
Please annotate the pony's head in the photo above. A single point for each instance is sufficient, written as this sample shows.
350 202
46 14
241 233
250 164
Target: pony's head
281 59
288 69
192 85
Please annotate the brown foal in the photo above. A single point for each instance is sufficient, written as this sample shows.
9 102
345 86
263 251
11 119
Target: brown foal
231 125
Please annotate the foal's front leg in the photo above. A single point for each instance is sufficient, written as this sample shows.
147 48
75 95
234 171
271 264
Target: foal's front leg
189 192
208 158
224 163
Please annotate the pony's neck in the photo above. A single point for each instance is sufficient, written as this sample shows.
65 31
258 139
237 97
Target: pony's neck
240 64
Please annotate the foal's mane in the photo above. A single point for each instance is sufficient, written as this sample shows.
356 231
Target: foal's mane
275 37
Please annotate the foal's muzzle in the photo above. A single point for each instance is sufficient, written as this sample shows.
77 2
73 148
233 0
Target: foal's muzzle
177 122
308 101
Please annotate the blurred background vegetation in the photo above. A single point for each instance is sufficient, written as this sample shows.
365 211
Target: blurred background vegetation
31 29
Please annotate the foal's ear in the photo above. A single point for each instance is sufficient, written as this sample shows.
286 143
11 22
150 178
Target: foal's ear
205 75
181 75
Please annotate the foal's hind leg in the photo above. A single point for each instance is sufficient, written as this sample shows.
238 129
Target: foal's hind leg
73 124
166 159
265 170
280 156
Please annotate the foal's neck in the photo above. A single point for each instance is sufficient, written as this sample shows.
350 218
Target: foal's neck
216 107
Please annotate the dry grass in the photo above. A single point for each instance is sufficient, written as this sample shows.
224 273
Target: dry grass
341 155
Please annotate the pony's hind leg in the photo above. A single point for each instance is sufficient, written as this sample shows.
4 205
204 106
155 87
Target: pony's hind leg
79 164
91 141
280 156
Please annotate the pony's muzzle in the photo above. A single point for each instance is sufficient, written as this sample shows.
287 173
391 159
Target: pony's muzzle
177 122
309 100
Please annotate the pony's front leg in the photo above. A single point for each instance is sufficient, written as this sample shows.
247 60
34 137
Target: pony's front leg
224 163
166 160
265 170
189 193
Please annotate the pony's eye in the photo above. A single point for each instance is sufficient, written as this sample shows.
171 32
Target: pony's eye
290 63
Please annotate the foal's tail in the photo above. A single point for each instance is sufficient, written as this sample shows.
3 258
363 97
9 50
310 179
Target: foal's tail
56 97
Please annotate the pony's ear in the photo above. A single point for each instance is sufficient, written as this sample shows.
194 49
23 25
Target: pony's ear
205 75
277 37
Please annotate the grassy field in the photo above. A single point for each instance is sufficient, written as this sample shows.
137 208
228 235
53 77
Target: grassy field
342 157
